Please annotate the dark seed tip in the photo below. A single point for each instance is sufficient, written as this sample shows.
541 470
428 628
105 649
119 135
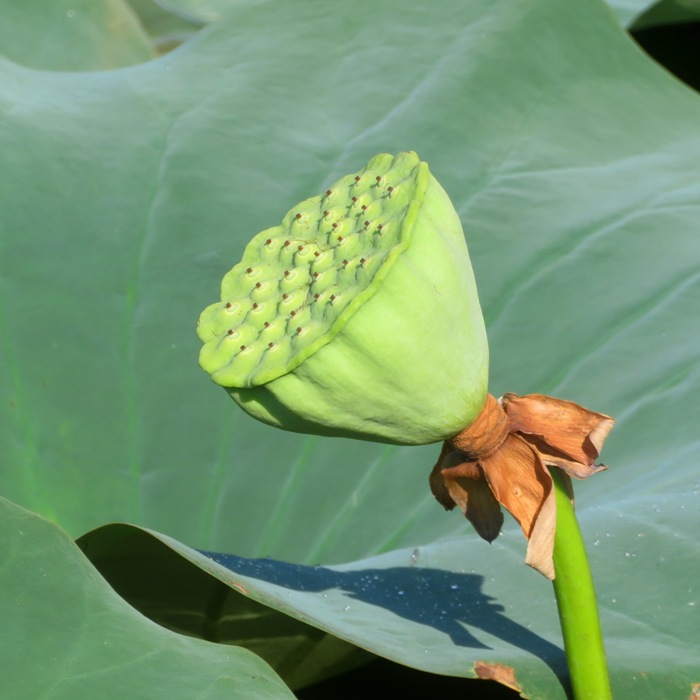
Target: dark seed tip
230 331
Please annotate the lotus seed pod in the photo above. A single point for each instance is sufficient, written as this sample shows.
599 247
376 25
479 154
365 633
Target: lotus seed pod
357 316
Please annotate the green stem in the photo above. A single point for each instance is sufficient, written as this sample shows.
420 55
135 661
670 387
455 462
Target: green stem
578 610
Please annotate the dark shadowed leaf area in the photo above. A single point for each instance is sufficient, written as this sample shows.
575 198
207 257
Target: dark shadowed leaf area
131 184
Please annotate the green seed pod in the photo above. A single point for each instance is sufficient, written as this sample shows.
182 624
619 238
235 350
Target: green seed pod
358 316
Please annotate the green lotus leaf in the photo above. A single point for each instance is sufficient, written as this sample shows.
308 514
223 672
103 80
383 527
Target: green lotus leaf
357 316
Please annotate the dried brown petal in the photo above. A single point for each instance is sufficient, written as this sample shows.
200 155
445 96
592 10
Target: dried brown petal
467 487
519 480
437 481
486 434
502 458
572 433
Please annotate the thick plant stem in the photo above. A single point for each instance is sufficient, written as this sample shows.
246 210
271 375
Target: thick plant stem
578 610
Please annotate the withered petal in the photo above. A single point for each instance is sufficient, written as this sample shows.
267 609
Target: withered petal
477 502
519 480
540 546
553 458
437 480
567 428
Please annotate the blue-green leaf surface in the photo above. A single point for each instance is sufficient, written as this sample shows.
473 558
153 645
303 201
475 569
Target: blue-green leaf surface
572 160
68 636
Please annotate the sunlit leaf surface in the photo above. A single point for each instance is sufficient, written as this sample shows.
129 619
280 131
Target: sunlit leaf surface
572 160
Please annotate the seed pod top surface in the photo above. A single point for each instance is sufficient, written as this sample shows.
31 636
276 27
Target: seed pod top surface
299 283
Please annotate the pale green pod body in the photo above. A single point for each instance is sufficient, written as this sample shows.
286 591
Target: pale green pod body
390 344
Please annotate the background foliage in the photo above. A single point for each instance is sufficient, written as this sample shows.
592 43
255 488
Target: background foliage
131 183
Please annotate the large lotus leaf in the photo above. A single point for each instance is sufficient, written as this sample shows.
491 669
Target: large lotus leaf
667 12
72 35
165 29
425 607
571 157
627 11
210 10
68 636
